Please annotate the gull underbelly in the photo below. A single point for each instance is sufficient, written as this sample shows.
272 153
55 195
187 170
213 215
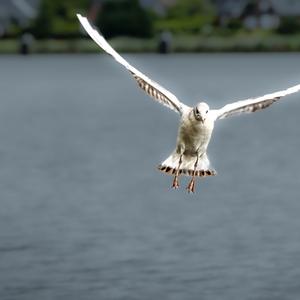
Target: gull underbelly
193 142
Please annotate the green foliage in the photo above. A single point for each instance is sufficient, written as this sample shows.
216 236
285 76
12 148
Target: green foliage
57 18
235 24
188 16
189 8
289 25
43 24
125 18
194 24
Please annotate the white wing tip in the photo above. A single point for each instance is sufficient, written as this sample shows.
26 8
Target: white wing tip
80 17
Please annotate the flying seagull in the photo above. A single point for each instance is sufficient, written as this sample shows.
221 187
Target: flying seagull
196 123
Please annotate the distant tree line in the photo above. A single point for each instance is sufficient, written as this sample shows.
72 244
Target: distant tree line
57 19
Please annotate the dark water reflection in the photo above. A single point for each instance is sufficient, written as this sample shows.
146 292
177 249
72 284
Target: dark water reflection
84 213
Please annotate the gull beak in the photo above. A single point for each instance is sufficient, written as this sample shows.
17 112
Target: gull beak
201 119
198 116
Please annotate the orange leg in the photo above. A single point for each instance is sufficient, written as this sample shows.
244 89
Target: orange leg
191 187
175 184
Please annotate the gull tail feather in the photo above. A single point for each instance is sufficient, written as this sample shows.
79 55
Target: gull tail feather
170 165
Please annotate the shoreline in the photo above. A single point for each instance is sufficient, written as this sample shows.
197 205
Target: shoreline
180 44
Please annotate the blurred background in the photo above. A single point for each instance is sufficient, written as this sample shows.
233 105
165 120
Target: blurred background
84 213
141 25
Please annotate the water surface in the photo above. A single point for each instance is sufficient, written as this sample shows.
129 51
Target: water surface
86 215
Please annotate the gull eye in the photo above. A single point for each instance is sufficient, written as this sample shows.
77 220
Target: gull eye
207 111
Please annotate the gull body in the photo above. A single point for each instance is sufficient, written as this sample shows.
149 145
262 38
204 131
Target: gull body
189 157
192 139
196 123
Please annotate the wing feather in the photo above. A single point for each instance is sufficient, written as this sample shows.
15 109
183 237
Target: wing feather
152 88
254 104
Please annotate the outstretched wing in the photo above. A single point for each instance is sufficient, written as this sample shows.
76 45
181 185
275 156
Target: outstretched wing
152 88
252 105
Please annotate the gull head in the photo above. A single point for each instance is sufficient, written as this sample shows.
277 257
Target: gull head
200 111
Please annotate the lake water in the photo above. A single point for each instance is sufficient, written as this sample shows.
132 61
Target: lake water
84 214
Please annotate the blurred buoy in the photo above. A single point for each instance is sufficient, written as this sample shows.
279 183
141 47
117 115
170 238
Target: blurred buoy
165 42
26 41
